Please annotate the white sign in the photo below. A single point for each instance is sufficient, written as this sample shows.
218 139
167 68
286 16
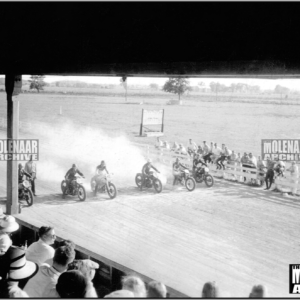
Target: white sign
153 117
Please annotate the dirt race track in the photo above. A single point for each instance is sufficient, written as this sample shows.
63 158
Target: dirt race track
233 234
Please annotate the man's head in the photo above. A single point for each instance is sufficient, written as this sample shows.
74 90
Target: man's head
216 145
47 234
204 142
149 160
5 243
135 285
63 256
86 266
191 141
20 166
258 291
210 290
250 155
72 284
102 163
74 167
157 290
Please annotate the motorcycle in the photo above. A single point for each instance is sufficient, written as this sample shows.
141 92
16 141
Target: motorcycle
186 179
104 185
75 188
202 174
149 181
25 193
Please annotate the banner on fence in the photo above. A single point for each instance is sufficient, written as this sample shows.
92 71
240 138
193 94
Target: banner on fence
284 149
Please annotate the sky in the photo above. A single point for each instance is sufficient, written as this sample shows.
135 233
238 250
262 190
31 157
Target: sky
293 84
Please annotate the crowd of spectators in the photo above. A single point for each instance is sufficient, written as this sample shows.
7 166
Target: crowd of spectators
224 158
40 272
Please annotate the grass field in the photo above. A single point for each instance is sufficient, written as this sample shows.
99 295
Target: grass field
240 125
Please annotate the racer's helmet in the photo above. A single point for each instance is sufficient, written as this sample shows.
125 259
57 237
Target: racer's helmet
149 160
103 163
20 166
74 166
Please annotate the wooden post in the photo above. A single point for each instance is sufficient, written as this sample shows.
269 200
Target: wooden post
12 166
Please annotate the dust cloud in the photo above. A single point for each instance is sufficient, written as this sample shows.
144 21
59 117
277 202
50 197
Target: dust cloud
62 145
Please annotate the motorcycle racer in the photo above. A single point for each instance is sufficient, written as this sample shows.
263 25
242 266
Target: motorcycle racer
146 169
177 168
101 171
70 175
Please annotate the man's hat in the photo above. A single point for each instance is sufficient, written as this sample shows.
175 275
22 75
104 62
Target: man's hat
20 268
8 224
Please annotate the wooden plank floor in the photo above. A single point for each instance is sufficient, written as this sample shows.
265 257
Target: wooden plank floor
233 234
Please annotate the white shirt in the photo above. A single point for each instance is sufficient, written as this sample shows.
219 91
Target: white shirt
39 252
217 151
43 283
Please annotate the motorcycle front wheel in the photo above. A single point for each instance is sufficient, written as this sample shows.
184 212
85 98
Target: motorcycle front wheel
209 180
112 190
63 187
28 196
81 193
157 185
139 179
190 184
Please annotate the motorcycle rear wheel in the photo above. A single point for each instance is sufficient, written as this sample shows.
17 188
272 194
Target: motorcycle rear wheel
157 185
190 184
209 180
81 193
112 190
199 178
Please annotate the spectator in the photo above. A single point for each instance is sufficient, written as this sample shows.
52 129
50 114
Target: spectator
192 147
175 147
279 167
270 173
216 153
210 290
14 291
134 284
245 163
20 270
41 251
5 249
30 168
72 284
200 150
88 268
120 294
294 174
156 290
43 284
207 152
260 167
252 160
8 225
60 244
182 150
258 291
166 145
159 144
224 155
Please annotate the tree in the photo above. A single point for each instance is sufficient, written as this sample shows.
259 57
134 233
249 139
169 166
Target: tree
176 85
281 90
37 82
154 86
